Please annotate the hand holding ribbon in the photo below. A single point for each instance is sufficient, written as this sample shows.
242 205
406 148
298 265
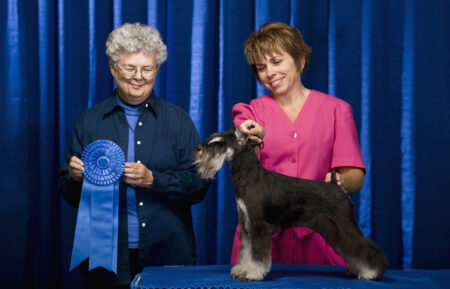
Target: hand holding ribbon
96 233
76 168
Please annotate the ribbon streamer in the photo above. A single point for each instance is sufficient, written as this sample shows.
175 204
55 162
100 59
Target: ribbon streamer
96 232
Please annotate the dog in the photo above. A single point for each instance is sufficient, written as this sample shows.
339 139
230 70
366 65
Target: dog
269 202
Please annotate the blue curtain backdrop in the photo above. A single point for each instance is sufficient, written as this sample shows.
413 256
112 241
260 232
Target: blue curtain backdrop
389 59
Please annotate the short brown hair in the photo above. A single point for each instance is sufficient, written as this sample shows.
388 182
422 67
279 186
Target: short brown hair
274 37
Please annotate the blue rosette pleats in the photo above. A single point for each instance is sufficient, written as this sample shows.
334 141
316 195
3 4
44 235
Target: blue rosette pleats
96 232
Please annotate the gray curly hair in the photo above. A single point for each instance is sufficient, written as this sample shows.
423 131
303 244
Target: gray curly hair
135 38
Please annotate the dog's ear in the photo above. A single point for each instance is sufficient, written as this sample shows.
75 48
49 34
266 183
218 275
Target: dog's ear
237 132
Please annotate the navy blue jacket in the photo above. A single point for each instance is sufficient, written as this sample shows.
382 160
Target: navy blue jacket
165 141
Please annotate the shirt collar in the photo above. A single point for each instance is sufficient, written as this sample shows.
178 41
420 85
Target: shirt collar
150 103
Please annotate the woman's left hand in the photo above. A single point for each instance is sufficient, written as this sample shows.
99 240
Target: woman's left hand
254 129
138 174
349 178
338 179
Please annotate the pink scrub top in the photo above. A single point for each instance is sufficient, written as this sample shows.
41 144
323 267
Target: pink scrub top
322 138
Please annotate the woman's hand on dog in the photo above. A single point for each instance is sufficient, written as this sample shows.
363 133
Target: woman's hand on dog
348 178
338 179
254 129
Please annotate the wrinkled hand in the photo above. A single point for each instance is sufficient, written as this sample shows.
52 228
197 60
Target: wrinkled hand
76 168
138 174
257 133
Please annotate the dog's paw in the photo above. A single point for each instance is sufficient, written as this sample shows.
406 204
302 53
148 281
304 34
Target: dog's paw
362 272
238 271
249 273
245 274
369 275
253 276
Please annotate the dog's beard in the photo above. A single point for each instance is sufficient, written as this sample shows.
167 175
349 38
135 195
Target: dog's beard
208 166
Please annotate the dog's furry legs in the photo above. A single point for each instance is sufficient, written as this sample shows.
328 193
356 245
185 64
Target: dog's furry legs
366 259
370 264
255 253
254 256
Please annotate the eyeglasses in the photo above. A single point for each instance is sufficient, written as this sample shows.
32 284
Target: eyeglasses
130 71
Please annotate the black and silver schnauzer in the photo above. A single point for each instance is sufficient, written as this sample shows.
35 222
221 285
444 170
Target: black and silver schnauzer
269 202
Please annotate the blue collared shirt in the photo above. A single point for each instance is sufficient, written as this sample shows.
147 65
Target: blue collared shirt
165 139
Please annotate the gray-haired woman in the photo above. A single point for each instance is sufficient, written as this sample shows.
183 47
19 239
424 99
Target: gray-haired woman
159 182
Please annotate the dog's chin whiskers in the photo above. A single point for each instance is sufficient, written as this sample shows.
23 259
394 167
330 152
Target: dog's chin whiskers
205 172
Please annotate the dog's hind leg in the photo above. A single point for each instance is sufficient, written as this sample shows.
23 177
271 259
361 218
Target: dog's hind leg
366 259
368 262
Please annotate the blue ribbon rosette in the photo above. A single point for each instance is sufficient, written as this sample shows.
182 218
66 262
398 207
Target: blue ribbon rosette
96 232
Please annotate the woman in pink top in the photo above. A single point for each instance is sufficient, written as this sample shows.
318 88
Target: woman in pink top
307 134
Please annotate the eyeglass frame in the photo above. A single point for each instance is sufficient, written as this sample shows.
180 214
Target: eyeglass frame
134 73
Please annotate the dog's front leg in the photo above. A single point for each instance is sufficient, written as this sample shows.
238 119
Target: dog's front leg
255 254
240 270
261 248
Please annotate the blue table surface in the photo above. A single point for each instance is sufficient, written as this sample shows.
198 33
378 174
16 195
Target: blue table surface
284 276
